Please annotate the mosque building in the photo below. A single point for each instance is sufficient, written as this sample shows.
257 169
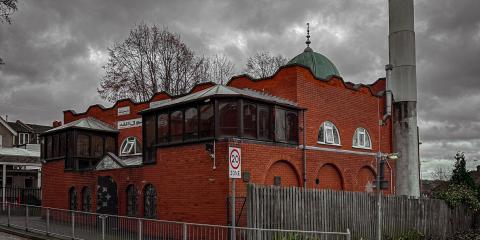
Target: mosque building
167 158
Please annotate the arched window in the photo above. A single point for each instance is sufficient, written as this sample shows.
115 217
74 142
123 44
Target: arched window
72 199
150 202
328 134
86 199
130 146
361 139
131 201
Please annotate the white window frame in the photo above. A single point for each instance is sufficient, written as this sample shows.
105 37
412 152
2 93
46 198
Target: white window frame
23 138
129 144
361 135
328 129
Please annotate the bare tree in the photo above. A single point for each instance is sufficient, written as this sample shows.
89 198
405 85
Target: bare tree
263 64
154 59
7 8
440 174
219 69
151 59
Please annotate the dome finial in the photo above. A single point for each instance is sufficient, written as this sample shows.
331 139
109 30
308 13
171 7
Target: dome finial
308 49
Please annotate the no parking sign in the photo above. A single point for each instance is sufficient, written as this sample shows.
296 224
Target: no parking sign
234 162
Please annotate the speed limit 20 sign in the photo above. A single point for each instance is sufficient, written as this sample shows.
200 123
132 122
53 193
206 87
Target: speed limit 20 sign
234 162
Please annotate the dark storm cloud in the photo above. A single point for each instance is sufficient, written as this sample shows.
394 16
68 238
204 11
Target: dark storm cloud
55 50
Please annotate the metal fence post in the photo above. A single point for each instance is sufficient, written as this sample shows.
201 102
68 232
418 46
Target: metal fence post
349 235
26 218
259 234
47 227
104 218
73 225
140 228
184 231
8 217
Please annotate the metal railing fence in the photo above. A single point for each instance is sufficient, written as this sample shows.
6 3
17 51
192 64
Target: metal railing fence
31 196
92 226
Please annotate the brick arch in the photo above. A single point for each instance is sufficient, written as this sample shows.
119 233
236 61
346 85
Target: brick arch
286 171
329 177
365 176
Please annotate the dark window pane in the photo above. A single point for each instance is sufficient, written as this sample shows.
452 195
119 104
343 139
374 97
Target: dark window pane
149 139
280 125
48 148
110 144
191 123
97 146
55 145
321 134
83 145
264 123
72 199
250 120
150 202
206 121
176 126
62 145
69 160
292 127
162 122
228 111
131 201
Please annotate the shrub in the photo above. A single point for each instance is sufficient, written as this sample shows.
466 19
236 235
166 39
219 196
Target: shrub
409 235
456 194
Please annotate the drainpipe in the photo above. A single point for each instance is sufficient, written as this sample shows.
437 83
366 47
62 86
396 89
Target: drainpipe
304 150
388 94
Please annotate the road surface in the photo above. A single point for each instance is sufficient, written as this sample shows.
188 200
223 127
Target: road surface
6 236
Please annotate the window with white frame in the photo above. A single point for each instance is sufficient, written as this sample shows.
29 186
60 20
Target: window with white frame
361 139
130 146
23 138
328 134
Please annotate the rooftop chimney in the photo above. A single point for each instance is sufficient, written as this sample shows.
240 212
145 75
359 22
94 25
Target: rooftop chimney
56 124
403 84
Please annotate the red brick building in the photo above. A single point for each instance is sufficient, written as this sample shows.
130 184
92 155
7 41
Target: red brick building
167 158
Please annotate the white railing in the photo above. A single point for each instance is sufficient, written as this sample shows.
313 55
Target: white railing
84 225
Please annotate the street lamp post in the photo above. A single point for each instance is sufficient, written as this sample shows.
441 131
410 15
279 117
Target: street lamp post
381 160
379 195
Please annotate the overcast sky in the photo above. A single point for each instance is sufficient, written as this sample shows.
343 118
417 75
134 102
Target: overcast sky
54 53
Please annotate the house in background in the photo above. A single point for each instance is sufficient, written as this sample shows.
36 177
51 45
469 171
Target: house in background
20 165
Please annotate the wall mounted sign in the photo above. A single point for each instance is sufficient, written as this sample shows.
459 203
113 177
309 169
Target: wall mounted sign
131 123
123 111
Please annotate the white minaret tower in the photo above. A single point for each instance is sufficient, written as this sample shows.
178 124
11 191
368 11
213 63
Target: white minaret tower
403 84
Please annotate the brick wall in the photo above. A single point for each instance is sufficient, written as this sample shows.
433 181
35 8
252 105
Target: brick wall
188 186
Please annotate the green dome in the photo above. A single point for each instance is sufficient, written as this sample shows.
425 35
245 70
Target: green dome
320 65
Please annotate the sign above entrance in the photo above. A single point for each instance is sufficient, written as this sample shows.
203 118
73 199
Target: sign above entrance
131 123
234 162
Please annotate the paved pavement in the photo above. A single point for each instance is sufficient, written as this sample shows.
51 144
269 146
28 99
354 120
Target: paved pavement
6 236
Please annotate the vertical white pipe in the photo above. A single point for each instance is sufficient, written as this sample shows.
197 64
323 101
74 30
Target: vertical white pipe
4 184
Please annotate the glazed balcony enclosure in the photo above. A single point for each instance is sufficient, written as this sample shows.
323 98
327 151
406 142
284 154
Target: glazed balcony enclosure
218 112
81 144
